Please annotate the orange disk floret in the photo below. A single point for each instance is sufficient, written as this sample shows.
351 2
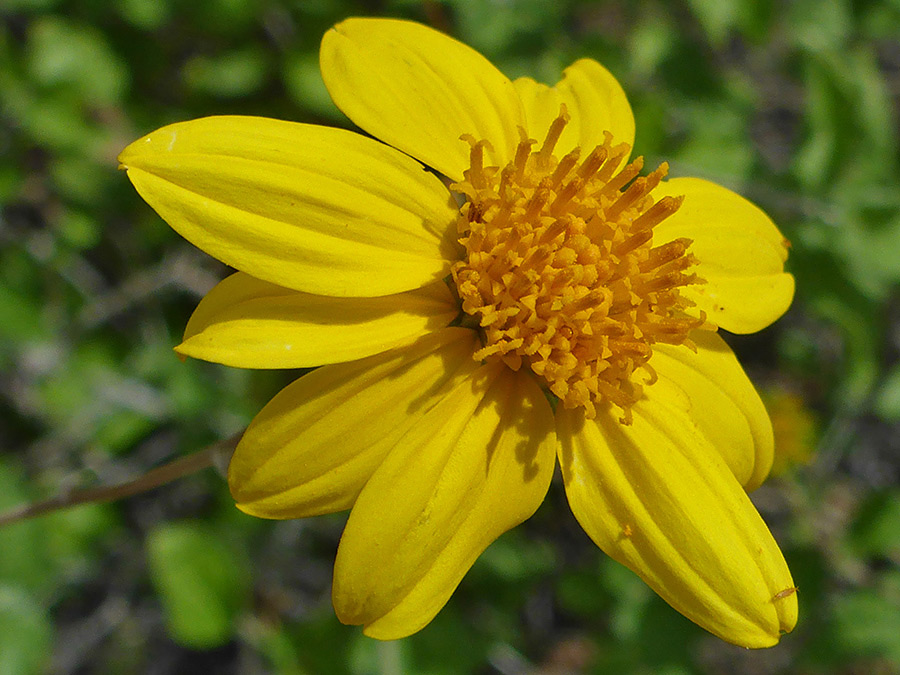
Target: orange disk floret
561 272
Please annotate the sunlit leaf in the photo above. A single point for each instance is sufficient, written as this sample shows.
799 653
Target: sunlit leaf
230 75
64 53
25 633
867 623
887 404
876 530
201 583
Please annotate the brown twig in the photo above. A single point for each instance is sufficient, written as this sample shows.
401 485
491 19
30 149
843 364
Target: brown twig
183 466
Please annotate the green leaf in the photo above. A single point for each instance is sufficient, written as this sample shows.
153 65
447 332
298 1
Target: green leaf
229 75
651 40
55 121
335 649
122 429
870 252
144 14
436 651
494 27
78 229
631 597
876 530
579 591
202 584
816 156
717 145
24 558
874 104
665 636
64 53
826 288
276 645
861 343
867 623
305 86
851 132
225 17
11 180
513 559
819 26
25 633
887 402
80 180
881 21
717 17
20 316
29 5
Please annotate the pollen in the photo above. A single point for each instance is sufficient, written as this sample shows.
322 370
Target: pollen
561 274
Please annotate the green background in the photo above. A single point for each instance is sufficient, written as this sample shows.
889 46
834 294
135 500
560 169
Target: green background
794 104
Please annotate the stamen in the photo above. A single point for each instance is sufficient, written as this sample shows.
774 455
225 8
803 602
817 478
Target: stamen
556 129
617 182
661 210
566 164
594 161
561 271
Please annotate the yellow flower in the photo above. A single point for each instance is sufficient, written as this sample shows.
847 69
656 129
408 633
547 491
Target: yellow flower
794 429
444 332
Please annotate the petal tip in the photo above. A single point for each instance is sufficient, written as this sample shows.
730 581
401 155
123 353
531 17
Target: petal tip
247 502
782 623
245 507
786 604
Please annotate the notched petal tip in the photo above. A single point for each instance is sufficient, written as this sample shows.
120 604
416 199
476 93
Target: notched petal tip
477 464
592 96
314 446
723 402
740 254
782 620
347 216
696 538
418 89
786 603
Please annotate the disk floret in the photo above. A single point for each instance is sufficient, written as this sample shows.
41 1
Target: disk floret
561 272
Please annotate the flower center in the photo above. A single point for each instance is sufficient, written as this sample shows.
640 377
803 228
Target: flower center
560 270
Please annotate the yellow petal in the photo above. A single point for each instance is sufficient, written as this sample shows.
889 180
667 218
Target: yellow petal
476 465
722 402
314 446
420 90
657 498
594 99
319 210
740 251
248 323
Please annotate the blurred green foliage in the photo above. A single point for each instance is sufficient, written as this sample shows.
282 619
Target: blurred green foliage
793 104
201 582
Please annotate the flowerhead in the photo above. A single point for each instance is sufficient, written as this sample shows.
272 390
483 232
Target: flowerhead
568 309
